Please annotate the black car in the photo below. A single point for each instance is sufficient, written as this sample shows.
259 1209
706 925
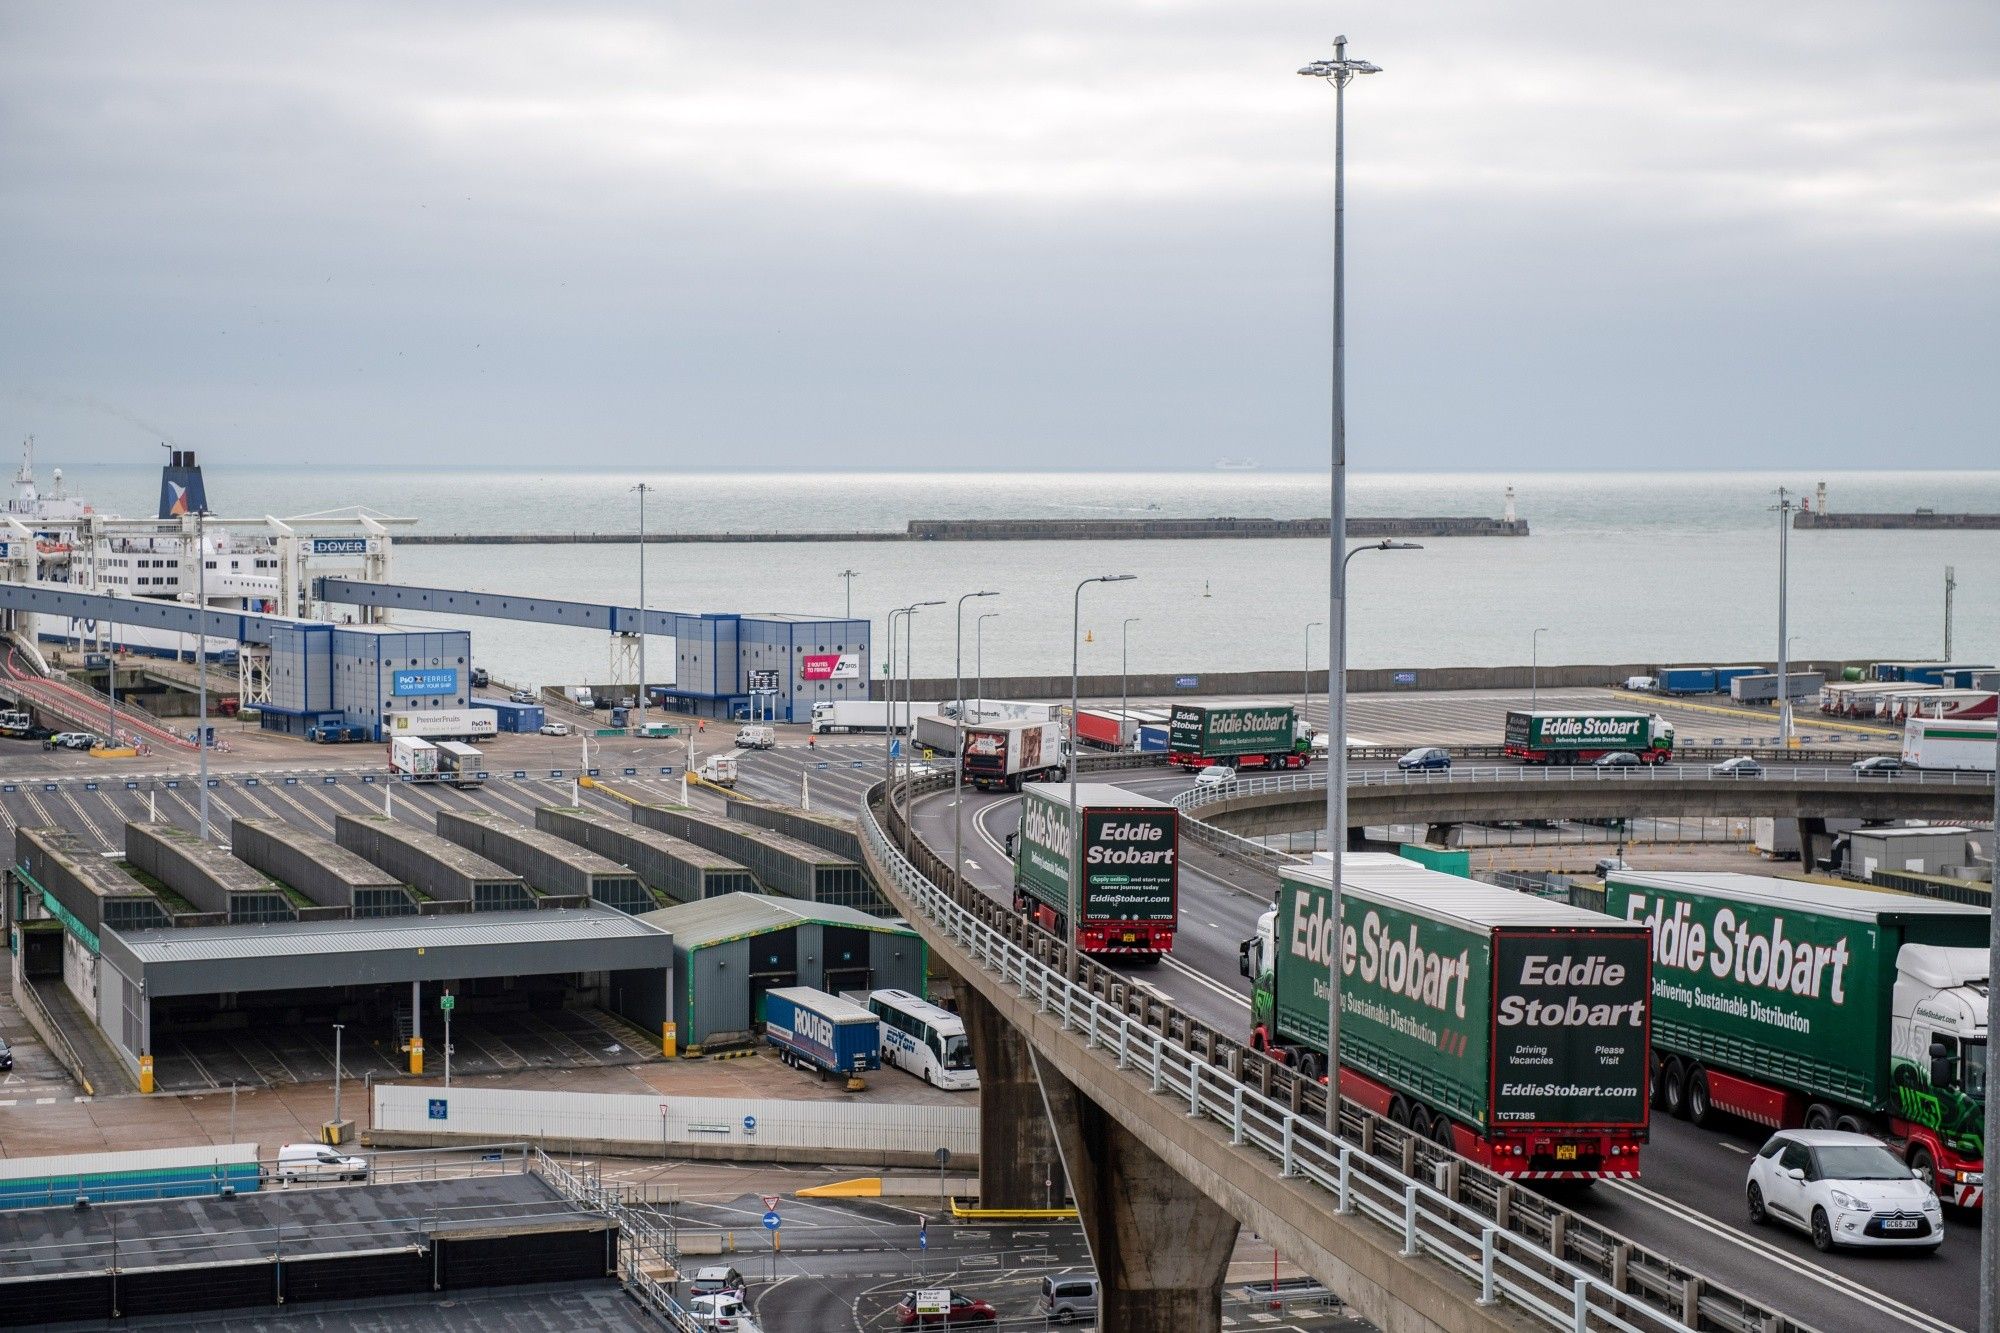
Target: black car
480 680
1617 759
1887 765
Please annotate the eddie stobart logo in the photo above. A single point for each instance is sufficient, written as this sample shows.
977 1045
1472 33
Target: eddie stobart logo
1730 947
1249 720
1047 826
1592 728
1131 841
1399 964
1591 972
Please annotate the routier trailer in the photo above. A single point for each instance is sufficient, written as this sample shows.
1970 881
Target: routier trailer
814 1030
1003 755
1582 738
1510 1028
1791 1003
1241 736
1130 879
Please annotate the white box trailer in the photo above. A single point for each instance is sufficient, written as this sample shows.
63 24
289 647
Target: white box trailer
1947 743
865 715
440 724
460 764
413 756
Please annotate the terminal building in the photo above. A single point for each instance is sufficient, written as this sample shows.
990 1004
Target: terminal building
129 963
729 951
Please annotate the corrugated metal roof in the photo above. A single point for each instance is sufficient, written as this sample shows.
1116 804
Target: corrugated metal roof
289 938
732 916
1464 902
1853 904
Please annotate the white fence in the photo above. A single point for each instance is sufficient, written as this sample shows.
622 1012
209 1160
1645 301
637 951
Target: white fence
658 1122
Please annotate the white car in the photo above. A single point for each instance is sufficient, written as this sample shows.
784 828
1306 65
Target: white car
1843 1189
725 1312
316 1161
1215 775
555 728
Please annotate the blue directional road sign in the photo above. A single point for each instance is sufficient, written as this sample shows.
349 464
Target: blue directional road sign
749 1124
771 1221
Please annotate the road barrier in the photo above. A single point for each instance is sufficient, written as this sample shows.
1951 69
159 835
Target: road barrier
1508 1244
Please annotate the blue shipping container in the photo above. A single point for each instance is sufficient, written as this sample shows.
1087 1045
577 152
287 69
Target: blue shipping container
515 717
1687 680
814 1030
1152 740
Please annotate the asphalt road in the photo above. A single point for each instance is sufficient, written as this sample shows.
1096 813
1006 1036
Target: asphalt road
845 1264
1689 1200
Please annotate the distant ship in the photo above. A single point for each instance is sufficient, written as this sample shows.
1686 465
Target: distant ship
1235 465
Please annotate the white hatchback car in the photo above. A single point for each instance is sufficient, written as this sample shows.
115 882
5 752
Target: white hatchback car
1843 1189
1215 775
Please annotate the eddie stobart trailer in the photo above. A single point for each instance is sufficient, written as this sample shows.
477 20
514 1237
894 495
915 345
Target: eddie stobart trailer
1791 1003
1583 738
1130 886
1241 736
1512 1029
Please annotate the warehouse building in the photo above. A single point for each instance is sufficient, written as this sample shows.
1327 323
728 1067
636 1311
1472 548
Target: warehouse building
682 871
558 868
728 951
781 864
363 676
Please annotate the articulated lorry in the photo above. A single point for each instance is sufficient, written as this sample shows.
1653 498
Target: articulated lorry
1241 736
865 715
1790 1003
1003 755
1509 1028
1583 738
1130 882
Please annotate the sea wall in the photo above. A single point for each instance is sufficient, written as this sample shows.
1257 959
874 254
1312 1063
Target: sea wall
1015 529
1812 518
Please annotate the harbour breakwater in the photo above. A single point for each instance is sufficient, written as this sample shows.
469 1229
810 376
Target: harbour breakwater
1922 519
1016 529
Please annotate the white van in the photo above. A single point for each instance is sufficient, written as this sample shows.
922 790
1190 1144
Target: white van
755 738
316 1161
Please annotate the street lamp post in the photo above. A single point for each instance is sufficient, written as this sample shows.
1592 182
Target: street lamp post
1124 666
889 691
1075 895
1340 71
201 654
1535 668
1784 511
642 488
1305 707
979 655
848 576
958 759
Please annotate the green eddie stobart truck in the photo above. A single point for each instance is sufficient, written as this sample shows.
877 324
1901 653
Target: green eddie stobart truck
1791 1003
1241 736
1584 738
1131 867
1509 1028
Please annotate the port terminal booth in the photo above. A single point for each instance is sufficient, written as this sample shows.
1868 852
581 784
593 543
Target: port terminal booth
207 1007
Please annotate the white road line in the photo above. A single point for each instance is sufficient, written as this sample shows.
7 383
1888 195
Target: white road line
1177 965
1888 1306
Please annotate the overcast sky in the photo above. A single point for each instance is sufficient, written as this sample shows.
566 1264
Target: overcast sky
933 233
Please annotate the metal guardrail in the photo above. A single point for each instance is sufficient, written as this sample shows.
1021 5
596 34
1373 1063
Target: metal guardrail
1637 778
643 1245
1507 1244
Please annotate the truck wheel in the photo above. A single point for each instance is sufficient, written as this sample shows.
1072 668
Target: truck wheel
1920 1160
1700 1109
1444 1135
1399 1112
1420 1122
1311 1066
1673 1088
1851 1124
1819 1116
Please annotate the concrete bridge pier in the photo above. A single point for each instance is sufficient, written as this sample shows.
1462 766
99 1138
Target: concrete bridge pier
1814 841
1438 835
1019 1166
1161 1246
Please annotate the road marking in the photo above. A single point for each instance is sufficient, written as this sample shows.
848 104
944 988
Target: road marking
1894 1309
1210 982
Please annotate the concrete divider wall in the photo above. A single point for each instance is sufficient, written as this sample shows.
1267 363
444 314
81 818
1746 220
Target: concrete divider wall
831 1130
1290 684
